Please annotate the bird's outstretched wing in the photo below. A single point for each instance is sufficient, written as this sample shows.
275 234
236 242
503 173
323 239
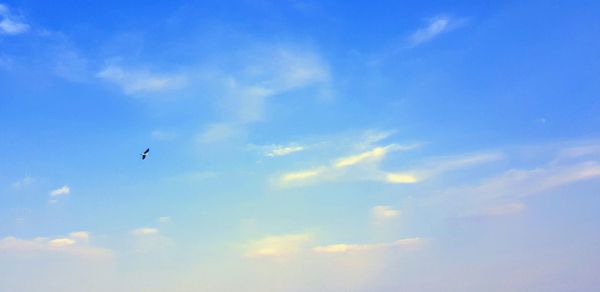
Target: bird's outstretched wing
147 150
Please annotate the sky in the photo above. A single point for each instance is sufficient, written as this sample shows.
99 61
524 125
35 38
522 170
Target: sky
299 145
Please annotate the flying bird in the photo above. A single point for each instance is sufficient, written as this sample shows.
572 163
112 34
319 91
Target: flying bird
145 153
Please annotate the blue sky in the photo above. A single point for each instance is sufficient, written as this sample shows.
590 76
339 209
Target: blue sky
299 146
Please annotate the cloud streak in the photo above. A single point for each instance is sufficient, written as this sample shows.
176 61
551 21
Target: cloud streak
342 248
11 24
363 165
436 27
139 81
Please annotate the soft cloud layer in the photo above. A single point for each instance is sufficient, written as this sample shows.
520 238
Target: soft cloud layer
11 24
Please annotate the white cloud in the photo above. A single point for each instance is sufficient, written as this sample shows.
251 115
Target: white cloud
278 245
381 213
11 24
134 81
352 248
436 27
65 190
278 150
145 231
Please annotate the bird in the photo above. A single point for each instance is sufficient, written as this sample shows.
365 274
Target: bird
145 153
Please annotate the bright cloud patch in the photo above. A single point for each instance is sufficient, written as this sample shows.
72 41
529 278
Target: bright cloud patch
400 178
299 176
61 242
65 190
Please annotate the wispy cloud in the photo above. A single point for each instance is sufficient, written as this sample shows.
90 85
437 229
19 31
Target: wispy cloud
353 248
383 213
263 72
145 231
278 245
134 81
500 210
23 183
371 155
279 150
164 219
11 24
522 182
76 244
363 165
437 166
218 132
62 191
434 28
162 135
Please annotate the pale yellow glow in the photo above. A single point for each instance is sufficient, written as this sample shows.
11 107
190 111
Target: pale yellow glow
280 245
299 175
282 151
352 160
145 231
61 242
384 212
400 178
80 235
345 248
